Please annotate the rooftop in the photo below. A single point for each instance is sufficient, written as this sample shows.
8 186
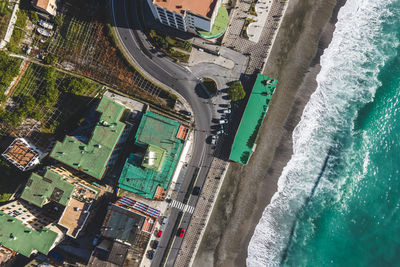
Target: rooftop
21 154
118 253
24 240
122 224
92 158
252 118
154 131
40 190
204 8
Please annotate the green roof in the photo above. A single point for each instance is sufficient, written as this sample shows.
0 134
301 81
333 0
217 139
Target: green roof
39 190
154 131
24 240
92 158
252 119
219 26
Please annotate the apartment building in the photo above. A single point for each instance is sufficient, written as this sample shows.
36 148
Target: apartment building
186 15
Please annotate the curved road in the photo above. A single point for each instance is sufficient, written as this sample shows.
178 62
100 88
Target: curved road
126 22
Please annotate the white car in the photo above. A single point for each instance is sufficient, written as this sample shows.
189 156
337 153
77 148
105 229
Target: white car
213 139
226 111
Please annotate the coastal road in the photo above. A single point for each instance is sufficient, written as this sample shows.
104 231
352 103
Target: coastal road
129 30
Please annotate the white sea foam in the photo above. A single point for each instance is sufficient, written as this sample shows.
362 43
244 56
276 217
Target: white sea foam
348 78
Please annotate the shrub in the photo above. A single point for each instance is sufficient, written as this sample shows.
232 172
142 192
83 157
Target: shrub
236 91
79 86
51 59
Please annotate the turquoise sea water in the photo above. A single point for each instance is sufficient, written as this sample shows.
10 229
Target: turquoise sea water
338 202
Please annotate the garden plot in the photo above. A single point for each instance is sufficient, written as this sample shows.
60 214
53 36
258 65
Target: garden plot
44 101
81 42
5 15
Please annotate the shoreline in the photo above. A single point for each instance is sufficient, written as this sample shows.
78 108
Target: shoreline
306 30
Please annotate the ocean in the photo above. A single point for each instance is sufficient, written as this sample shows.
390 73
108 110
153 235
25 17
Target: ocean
338 198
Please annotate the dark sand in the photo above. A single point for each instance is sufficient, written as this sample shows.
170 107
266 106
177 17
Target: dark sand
305 32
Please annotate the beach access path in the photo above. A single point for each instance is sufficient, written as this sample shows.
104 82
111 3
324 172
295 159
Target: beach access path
257 51
306 30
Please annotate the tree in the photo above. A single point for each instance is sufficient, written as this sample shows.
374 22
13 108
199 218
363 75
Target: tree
58 20
33 16
236 91
51 59
79 86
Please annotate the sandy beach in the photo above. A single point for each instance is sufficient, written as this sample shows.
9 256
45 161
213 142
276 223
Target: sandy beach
305 32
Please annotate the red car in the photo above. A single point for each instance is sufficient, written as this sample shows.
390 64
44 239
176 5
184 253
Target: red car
181 232
159 233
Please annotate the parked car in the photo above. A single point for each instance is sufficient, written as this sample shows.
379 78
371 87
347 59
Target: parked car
213 139
184 112
181 232
219 132
150 254
43 32
222 121
154 244
164 221
226 111
95 241
196 190
159 233
45 24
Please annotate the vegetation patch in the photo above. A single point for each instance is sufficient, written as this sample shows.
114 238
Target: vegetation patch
10 179
252 10
211 85
168 44
246 24
236 91
47 96
19 32
9 69
5 16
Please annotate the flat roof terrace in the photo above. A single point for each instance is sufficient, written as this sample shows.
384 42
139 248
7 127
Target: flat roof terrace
252 119
157 131
92 158
204 8
24 240
40 190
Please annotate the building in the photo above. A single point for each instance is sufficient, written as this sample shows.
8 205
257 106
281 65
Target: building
92 156
6 254
125 233
252 119
46 6
23 155
158 145
208 18
50 206
28 229
74 195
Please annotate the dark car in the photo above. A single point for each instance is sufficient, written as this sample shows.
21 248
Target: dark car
196 190
184 112
150 254
154 244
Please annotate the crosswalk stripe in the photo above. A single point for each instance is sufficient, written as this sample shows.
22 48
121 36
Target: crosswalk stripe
179 205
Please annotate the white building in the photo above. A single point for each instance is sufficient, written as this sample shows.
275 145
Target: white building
186 15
